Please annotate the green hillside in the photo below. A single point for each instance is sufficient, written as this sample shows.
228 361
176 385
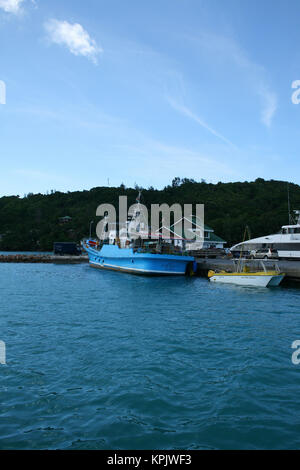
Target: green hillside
32 222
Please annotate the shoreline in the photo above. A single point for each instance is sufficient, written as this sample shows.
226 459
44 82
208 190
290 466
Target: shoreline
45 258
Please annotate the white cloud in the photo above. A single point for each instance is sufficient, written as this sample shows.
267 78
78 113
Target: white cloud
187 112
74 37
270 107
11 6
226 49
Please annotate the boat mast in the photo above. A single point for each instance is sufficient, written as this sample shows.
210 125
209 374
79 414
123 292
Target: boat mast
289 205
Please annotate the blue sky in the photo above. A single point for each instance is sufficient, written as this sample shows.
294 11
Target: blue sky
141 92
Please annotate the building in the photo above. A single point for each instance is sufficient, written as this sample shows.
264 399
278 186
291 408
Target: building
201 241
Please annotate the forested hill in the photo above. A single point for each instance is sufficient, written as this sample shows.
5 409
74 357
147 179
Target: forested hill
32 222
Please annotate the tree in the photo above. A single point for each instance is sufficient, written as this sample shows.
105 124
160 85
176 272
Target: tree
176 182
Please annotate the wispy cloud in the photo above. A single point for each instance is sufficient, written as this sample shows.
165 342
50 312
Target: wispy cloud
141 156
270 106
11 6
188 113
74 37
227 49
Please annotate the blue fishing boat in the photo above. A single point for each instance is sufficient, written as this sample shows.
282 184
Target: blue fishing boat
120 252
138 261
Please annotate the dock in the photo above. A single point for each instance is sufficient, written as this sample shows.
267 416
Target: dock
290 267
42 258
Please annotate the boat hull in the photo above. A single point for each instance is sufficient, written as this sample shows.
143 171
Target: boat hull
111 257
262 280
276 280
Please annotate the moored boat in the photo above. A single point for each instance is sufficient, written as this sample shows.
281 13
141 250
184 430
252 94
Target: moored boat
285 243
141 253
139 260
243 274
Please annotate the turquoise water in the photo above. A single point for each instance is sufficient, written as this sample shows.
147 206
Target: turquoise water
100 360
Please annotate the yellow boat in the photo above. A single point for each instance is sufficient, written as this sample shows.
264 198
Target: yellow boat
244 276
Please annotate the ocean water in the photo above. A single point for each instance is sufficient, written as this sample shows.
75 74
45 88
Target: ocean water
101 360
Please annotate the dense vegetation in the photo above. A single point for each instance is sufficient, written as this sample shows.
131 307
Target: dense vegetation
32 222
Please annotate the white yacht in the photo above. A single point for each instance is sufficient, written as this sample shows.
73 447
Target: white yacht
286 242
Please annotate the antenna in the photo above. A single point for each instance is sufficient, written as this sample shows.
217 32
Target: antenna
289 205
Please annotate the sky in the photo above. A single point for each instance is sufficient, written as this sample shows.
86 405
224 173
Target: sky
101 93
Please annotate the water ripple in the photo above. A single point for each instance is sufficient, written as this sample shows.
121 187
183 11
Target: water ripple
108 361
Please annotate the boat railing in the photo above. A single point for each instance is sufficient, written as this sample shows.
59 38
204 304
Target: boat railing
257 265
157 247
160 251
